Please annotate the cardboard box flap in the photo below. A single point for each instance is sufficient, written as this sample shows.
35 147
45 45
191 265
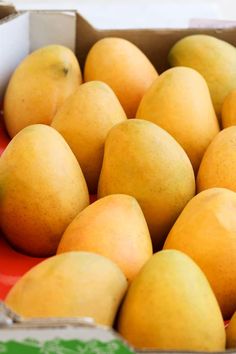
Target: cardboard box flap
14 38
155 43
27 31
52 27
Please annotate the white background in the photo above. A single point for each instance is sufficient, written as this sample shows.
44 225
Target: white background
140 13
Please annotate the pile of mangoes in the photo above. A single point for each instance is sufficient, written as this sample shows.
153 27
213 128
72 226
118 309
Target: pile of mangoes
155 254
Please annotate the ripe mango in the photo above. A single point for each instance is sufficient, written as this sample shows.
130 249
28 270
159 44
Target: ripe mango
39 86
124 67
218 165
231 333
84 121
42 190
73 284
214 58
115 227
179 102
228 112
144 161
171 306
205 230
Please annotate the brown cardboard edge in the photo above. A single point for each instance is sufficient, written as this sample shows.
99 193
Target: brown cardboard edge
6 10
9 319
163 39
211 23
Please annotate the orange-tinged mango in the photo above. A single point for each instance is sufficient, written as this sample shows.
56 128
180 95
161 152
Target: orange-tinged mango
124 67
231 333
115 227
206 231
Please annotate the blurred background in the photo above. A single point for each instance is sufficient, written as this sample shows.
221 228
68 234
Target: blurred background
141 13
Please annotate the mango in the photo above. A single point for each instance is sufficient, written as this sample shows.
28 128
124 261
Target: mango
205 230
231 333
124 67
84 121
115 227
170 306
217 168
228 112
42 189
144 161
214 58
73 284
179 102
39 86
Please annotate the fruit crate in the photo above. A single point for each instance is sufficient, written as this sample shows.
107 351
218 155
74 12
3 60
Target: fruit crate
21 33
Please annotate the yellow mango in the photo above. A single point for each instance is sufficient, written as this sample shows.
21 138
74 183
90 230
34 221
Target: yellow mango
228 112
179 101
84 121
124 67
171 306
39 86
42 190
214 58
144 161
218 165
73 284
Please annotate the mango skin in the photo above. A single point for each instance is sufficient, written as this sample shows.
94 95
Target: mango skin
170 306
231 333
144 161
115 227
39 86
42 189
70 285
217 168
213 58
205 231
179 102
124 67
84 121
228 112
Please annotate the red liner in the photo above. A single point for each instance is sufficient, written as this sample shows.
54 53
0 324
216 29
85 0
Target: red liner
4 138
12 266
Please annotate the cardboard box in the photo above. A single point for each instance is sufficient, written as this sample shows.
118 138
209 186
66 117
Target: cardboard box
26 31
23 32
60 335
6 9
